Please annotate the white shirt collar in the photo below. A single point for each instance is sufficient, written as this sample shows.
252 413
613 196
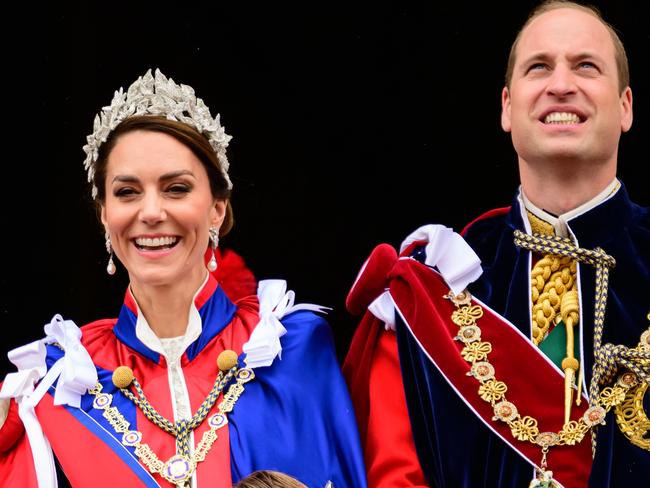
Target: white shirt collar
560 223
149 338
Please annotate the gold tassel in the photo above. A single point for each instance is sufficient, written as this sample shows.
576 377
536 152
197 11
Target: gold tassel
579 395
569 310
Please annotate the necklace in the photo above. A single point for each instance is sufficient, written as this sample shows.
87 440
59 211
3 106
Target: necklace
179 468
631 416
493 391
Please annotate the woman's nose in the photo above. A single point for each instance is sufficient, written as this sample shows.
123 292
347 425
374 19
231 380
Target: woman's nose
152 210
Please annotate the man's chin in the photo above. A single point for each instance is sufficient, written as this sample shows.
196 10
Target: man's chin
566 151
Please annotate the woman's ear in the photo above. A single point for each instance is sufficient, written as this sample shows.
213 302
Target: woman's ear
218 213
102 216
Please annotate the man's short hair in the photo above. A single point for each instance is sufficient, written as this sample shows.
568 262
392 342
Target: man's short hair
549 5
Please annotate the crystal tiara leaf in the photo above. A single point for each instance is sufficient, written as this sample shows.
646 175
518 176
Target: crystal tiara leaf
158 95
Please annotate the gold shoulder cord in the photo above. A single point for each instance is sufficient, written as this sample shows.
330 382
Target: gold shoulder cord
555 300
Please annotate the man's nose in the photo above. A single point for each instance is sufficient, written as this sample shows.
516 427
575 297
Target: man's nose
562 82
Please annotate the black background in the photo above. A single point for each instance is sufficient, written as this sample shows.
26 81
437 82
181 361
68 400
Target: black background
352 125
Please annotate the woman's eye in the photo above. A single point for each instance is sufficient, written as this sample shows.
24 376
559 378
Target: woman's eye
124 192
179 188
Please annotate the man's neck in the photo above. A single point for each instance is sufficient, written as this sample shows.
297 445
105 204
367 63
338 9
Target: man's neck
544 222
561 191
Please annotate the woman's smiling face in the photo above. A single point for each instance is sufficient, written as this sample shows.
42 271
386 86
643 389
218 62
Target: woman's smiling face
158 209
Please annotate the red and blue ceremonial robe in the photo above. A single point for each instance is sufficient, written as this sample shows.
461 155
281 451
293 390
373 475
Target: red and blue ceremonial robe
295 417
421 419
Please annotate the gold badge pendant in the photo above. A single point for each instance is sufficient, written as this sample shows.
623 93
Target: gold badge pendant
630 414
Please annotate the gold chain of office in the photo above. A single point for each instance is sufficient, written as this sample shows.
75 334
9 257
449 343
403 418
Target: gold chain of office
631 417
526 428
630 414
554 297
179 468
607 357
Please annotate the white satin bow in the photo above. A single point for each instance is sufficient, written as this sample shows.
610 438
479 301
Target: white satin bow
264 346
446 250
383 308
76 374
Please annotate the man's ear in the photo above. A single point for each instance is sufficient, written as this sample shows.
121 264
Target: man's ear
505 109
626 109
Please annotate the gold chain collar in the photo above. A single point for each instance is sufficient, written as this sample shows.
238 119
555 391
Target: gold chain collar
526 428
179 468
631 417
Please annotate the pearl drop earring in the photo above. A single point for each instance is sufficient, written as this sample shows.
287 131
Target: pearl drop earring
214 243
110 268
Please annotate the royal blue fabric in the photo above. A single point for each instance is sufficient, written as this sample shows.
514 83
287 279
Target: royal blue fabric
216 313
296 416
454 447
125 331
218 308
95 422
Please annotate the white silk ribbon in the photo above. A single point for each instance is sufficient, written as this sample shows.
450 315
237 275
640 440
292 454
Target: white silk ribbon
264 346
75 372
383 308
446 250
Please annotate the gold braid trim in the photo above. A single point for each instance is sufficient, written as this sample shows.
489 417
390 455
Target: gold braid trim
555 298
608 358
551 277
539 226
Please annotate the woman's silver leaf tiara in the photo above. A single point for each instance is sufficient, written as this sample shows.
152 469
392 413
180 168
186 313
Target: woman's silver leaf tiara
156 95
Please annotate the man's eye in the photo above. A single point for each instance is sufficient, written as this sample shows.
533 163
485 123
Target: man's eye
587 65
537 67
